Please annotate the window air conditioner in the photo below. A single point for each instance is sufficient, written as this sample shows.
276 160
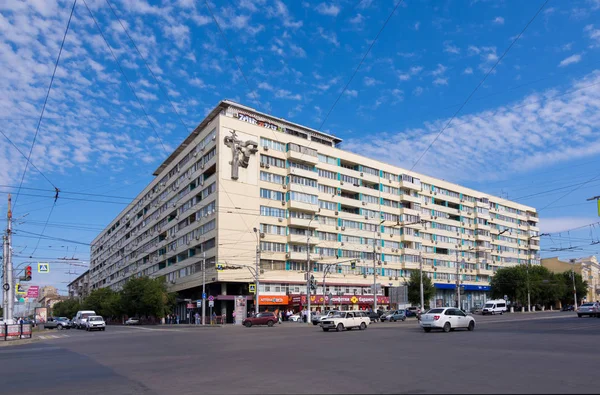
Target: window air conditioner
337 213
343 228
280 219
262 164
214 138
364 203
195 153
284 186
283 202
287 255
267 166
265 148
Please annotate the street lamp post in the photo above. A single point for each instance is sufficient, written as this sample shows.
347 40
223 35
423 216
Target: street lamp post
375 263
308 269
574 286
256 272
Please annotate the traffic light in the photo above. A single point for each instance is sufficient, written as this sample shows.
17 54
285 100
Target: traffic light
28 273
353 265
313 283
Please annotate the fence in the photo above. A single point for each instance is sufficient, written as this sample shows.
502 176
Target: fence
15 331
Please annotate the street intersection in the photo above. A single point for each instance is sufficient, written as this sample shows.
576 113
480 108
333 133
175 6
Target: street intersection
514 353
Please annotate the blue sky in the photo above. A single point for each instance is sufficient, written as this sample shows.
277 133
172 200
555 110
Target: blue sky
530 132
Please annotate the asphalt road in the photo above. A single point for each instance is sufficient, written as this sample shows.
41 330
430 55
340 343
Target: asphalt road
537 353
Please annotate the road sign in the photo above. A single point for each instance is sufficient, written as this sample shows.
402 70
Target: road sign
33 291
198 303
252 288
20 290
219 267
211 303
204 295
211 298
43 267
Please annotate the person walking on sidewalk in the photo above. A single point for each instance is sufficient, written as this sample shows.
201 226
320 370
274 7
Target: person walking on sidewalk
197 318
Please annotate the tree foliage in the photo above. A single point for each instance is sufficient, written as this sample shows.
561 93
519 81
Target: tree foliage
104 301
414 293
144 296
544 286
66 308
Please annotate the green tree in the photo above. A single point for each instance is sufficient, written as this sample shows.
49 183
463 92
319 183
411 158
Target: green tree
512 282
581 287
144 296
104 301
66 308
414 293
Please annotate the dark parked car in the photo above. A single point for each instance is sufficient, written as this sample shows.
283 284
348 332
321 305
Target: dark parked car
266 318
568 307
410 312
374 316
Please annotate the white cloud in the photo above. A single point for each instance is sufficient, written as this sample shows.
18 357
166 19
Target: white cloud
440 81
285 94
328 9
265 86
498 21
197 82
404 76
451 48
540 130
371 81
417 25
593 34
358 19
330 37
351 93
440 70
280 10
418 91
297 51
570 60
468 70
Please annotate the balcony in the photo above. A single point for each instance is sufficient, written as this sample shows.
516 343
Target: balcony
302 157
414 199
410 185
292 204
302 222
298 256
301 239
303 173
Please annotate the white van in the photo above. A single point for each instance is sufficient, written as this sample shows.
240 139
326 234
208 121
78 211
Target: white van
497 306
80 321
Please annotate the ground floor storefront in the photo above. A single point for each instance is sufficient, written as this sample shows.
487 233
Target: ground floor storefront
471 295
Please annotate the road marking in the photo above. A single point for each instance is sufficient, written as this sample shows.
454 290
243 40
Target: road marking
521 319
152 329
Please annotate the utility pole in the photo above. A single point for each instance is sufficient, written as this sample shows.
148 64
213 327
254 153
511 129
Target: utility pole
203 287
308 270
421 281
256 274
5 284
457 281
574 287
8 265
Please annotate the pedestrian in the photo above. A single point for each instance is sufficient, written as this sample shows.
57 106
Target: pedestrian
233 315
213 318
177 318
197 317
279 316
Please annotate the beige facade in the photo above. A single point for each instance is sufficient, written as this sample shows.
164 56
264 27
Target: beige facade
296 188
79 288
587 267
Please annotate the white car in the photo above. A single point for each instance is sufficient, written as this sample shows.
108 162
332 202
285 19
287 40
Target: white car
295 318
345 320
590 309
95 322
447 319
132 321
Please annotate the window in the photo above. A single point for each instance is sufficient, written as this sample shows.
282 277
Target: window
327 205
270 177
303 197
276 145
370 170
301 215
303 181
327 189
327 236
272 161
269 194
272 229
272 212
327 159
270 246
302 149
390 176
348 179
370 199
302 166
351 224
327 174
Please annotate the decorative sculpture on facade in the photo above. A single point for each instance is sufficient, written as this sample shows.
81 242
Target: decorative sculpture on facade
240 151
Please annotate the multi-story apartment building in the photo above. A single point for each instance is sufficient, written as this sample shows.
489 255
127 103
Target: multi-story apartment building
79 288
244 181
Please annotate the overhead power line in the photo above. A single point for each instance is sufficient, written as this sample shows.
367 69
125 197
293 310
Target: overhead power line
360 63
37 129
479 85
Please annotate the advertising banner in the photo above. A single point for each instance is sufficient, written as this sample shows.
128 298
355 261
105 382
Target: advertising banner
33 291
41 314
344 299
240 309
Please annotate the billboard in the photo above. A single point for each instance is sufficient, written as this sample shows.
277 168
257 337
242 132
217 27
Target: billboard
41 314
240 309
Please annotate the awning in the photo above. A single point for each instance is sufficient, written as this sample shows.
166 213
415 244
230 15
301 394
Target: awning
444 286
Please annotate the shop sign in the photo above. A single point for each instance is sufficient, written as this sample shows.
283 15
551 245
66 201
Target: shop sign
253 121
344 299
273 300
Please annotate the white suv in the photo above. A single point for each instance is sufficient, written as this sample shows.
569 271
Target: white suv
95 322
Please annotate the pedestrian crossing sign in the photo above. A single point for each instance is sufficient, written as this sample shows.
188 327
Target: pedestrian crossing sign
20 289
252 288
220 267
43 268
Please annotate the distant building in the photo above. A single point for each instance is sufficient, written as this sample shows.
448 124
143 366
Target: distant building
588 268
79 288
